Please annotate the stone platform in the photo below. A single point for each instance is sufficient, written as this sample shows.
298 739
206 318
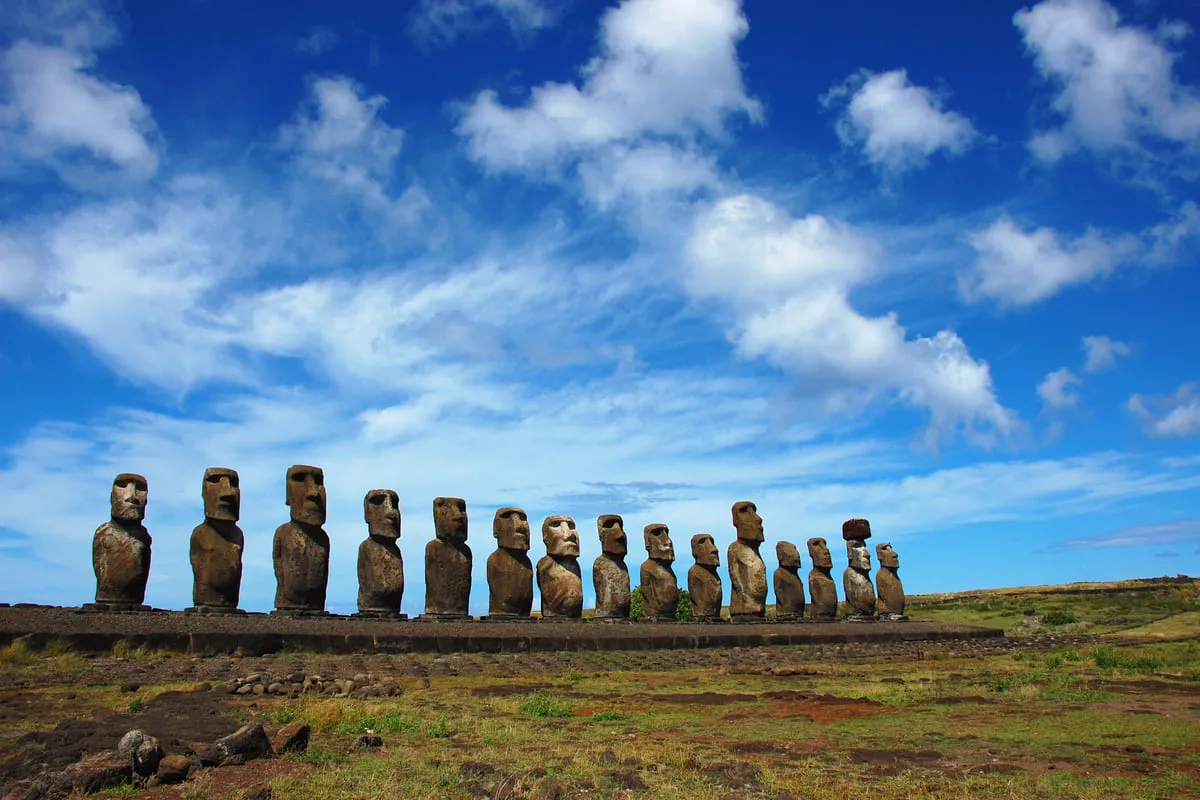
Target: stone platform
95 633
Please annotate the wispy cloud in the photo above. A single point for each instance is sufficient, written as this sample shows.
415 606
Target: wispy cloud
441 22
1150 535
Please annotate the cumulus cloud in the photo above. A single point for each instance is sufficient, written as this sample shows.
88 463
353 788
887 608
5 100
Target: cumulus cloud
897 124
666 68
1115 83
55 109
443 21
788 281
1056 389
1176 415
1101 352
1017 267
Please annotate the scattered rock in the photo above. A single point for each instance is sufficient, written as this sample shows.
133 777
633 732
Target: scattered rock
260 792
422 683
475 769
607 757
546 790
91 774
248 741
369 741
630 781
141 751
174 769
292 738
131 686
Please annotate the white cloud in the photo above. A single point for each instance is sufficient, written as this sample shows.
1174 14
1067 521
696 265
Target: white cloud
1015 267
1152 535
665 68
319 40
1055 389
1115 83
898 124
1176 415
55 110
443 21
788 281
1101 352
339 138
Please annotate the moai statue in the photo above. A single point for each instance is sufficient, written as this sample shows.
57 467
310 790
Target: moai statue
789 587
380 564
822 591
891 590
121 548
610 576
856 580
559 581
660 590
448 562
301 547
217 545
704 584
747 572
509 570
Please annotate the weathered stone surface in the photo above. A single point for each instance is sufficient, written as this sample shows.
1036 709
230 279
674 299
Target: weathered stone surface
559 580
789 587
822 591
248 741
174 769
853 529
292 738
856 581
704 584
448 561
660 589
747 572
91 774
380 564
610 576
121 546
509 570
142 752
301 547
217 543
887 581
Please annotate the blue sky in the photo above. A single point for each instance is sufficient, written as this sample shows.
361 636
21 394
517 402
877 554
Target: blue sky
932 267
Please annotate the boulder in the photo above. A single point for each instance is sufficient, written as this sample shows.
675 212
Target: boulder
248 741
142 752
292 738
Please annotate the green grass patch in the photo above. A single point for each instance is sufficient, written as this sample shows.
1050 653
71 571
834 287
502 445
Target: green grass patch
544 704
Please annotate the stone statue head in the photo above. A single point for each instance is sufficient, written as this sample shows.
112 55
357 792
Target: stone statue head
747 521
704 550
612 534
510 526
658 542
381 509
450 519
788 555
222 494
128 497
887 556
818 551
856 529
857 554
560 536
306 494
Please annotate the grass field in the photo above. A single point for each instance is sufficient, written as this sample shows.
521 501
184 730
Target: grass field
1096 694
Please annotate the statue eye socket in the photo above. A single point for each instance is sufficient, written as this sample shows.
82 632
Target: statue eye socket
213 479
377 500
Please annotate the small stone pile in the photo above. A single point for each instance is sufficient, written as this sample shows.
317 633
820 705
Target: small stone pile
298 683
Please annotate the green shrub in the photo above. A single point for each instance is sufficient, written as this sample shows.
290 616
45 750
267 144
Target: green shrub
683 607
543 704
1059 617
635 604
608 715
